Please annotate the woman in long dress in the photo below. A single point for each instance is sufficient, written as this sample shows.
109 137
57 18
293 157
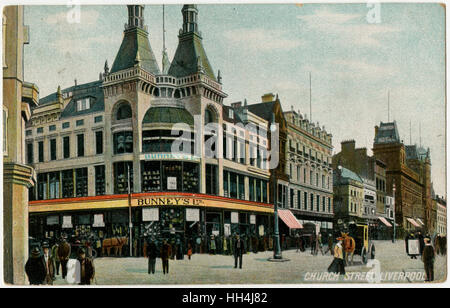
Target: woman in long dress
337 266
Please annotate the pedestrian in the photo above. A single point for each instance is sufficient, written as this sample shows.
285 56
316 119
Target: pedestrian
64 251
313 244
56 262
212 246
166 251
428 260
239 250
35 268
337 266
319 243
49 269
189 250
421 242
297 241
330 244
87 269
152 254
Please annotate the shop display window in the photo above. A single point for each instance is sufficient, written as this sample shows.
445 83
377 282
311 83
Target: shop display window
191 177
211 179
151 176
171 176
100 180
123 142
54 185
81 182
42 186
121 177
241 187
67 183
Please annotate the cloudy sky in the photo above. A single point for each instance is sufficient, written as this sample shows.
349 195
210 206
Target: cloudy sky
354 60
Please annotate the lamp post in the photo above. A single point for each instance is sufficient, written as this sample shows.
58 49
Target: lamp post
393 202
130 223
277 247
277 256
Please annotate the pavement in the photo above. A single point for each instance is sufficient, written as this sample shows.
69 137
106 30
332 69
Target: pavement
392 265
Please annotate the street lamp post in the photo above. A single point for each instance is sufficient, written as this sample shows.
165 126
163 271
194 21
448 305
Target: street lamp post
277 256
393 199
130 223
277 247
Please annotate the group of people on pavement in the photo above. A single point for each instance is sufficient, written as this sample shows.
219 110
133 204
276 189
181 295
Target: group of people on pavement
43 267
165 252
426 251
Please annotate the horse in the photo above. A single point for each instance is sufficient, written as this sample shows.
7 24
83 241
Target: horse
349 247
114 242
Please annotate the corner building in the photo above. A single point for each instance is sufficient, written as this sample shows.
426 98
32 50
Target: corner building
90 143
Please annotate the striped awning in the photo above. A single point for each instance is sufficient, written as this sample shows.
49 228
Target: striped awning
420 221
289 219
413 222
383 220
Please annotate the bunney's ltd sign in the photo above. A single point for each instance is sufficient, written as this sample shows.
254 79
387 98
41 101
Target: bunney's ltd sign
163 201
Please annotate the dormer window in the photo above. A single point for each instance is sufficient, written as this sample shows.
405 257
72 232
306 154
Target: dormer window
83 104
231 114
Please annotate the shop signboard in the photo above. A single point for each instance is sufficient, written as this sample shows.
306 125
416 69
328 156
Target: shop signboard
150 214
52 220
171 183
253 219
234 217
98 221
227 229
67 222
413 246
261 230
192 215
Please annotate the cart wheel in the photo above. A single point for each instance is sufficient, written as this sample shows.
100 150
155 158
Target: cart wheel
372 252
364 255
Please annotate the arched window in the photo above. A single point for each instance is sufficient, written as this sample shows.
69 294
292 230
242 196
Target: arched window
124 112
209 116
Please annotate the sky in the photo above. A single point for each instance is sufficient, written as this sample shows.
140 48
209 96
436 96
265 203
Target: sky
355 53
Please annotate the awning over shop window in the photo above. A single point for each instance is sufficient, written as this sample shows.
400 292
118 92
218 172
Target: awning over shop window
420 221
289 219
413 222
383 220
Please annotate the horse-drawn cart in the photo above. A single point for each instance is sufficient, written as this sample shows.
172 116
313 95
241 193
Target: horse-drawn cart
357 241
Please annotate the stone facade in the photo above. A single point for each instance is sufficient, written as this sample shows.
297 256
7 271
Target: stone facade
18 95
308 152
84 140
409 169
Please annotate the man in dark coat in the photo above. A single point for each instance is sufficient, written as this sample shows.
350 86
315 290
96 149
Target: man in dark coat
166 251
35 268
421 242
428 260
87 269
239 250
48 261
64 251
152 254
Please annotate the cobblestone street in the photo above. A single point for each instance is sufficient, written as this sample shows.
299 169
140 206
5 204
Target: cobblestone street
218 269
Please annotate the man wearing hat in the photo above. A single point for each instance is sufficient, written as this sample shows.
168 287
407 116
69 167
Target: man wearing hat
63 255
35 268
48 261
87 269
428 259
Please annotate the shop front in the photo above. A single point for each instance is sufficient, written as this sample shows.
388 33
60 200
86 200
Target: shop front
205 223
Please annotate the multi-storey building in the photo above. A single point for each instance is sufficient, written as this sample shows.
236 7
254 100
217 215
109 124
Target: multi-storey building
308 154
373 174
441 215
18 96
348 196
93 143
409 169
